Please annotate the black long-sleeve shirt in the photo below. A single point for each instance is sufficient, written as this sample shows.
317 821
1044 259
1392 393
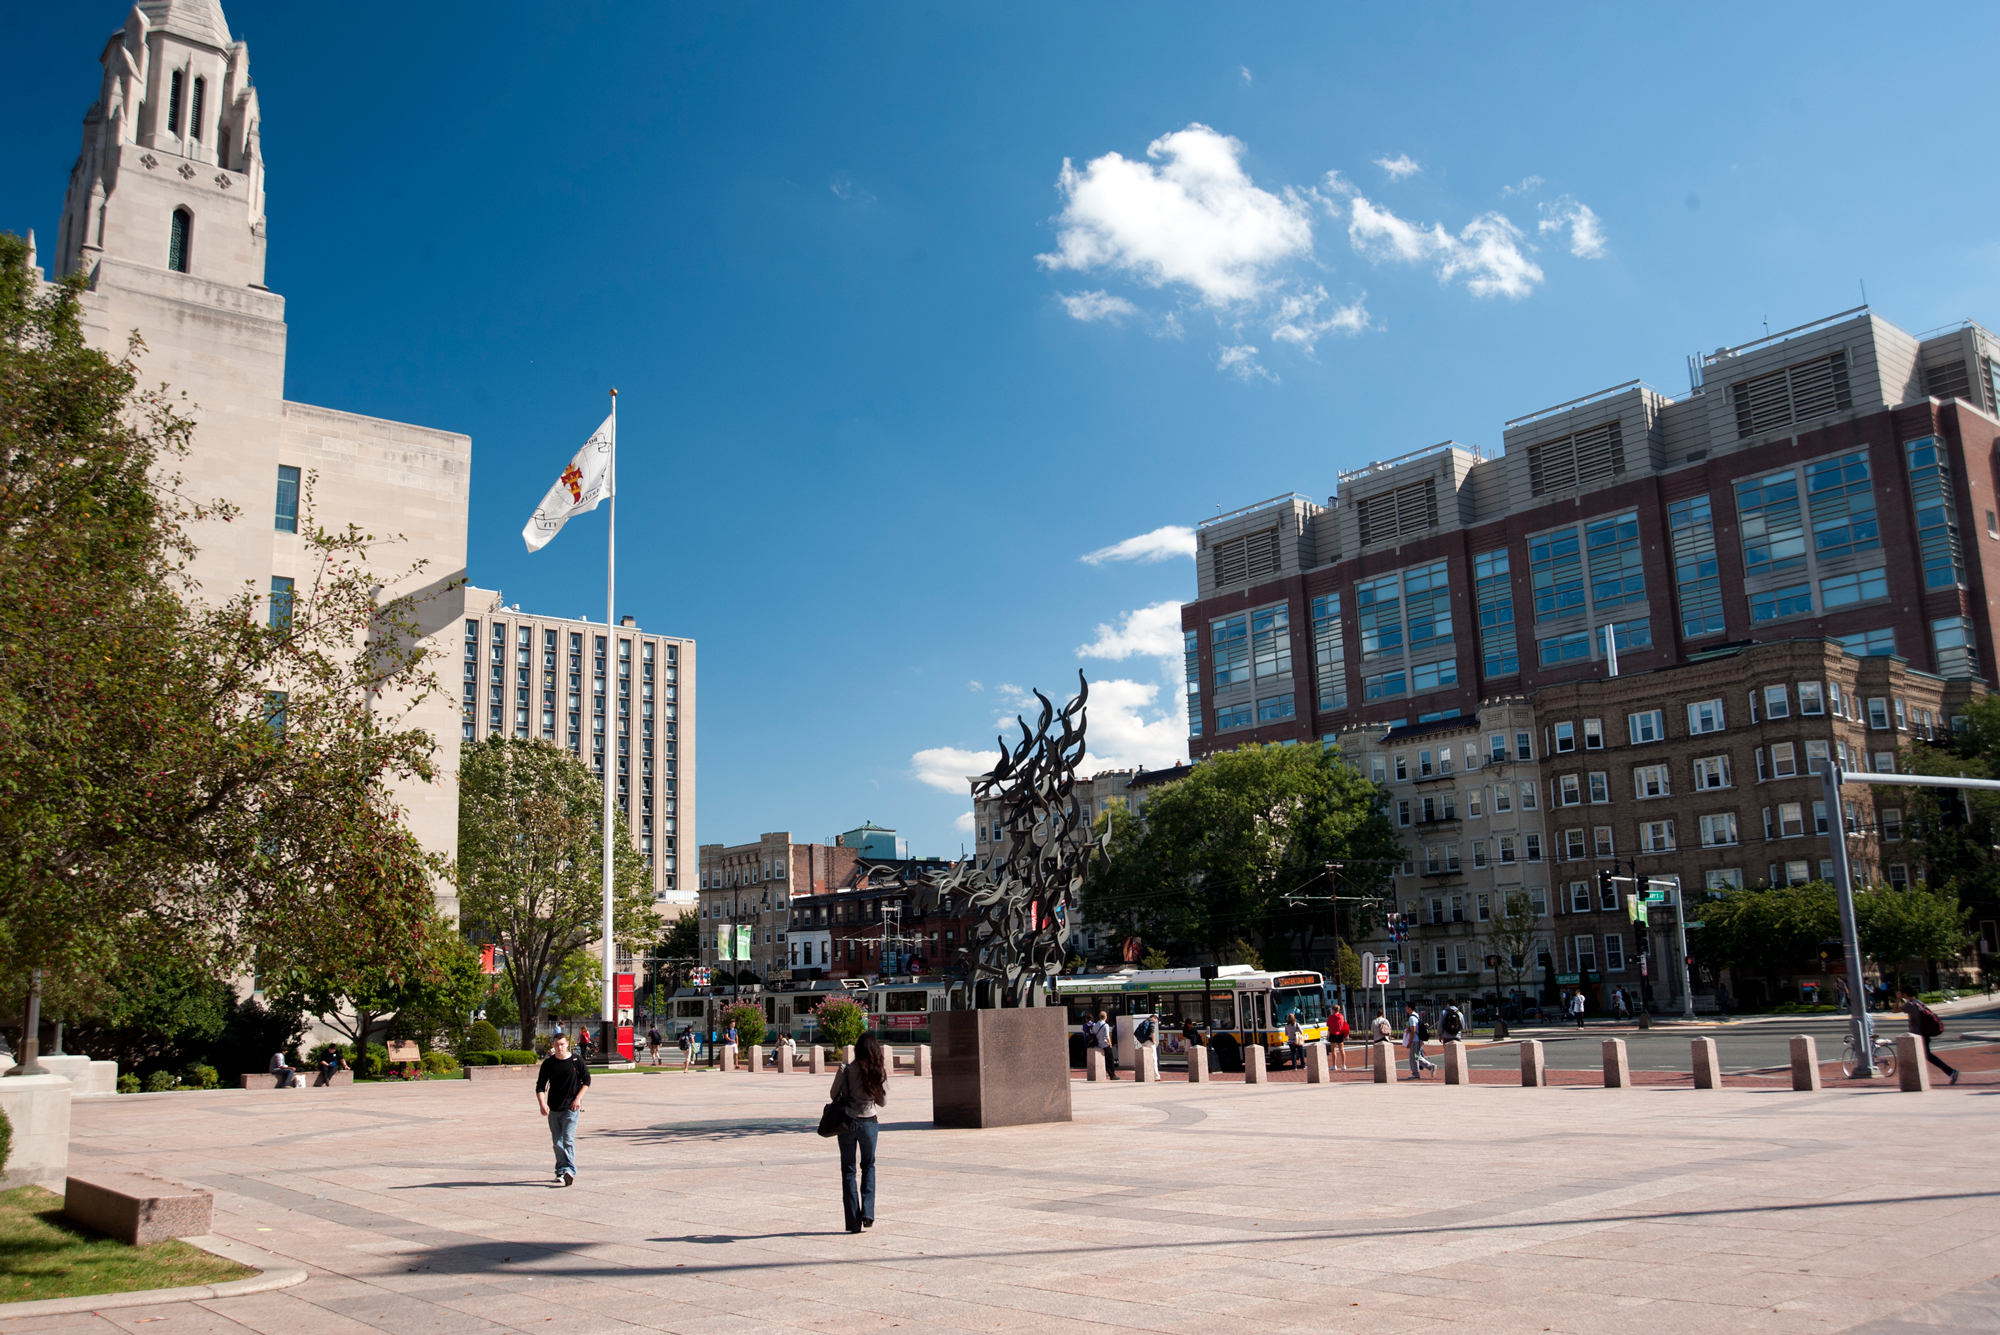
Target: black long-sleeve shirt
564 1078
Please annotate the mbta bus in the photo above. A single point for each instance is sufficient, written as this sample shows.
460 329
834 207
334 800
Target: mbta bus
1240 1006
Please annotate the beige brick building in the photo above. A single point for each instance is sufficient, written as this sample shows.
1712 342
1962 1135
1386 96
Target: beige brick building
627 694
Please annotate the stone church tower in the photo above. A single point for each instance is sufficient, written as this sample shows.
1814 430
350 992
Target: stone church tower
165 220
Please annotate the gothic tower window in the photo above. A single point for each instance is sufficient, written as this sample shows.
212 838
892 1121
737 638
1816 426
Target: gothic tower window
174 104
178 240
194 118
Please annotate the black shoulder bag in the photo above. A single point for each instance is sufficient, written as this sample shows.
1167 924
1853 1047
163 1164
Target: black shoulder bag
834 1118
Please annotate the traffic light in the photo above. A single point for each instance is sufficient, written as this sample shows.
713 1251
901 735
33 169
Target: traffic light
1605 889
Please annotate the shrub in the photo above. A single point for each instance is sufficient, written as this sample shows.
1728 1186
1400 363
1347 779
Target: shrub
517 1058
479 1059
6 1139
159 1082
842 1020
749 1022
483 1037
320 1051
370 1064
128 1083
200 1075
440 1063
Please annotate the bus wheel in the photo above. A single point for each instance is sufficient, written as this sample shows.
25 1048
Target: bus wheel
1228 1057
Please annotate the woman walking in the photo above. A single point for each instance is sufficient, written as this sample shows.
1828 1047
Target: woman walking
862 1085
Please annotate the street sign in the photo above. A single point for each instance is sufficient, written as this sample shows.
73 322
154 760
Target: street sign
1382 973
1694 924
1566 980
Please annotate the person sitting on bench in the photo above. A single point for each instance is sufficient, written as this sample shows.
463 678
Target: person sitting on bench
287 1077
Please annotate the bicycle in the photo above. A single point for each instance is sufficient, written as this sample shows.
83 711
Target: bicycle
1884 1049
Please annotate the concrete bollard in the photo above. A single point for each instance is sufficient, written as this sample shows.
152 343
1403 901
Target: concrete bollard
1093 1064
1805 1063
923 1059
1707 1070
1456 1070
1316 1067
1534 1066
1617 1071
1912 1071
1198 1066
728 1056
816 1060
1146 1064
1253 1065
784 1059
847 1055
757 1059
1385 1064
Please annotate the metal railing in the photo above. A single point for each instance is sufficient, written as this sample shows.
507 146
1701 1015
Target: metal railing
1574 403
1344 476
1260 505
1711 358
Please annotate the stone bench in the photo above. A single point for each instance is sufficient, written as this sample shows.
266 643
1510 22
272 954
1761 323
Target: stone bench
310 1079
137 1209
528 1072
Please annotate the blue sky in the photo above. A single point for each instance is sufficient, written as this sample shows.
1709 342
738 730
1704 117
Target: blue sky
889 370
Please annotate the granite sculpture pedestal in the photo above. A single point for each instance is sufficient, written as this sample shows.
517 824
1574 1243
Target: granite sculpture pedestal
1000 1067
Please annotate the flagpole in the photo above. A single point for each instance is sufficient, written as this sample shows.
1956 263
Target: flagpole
606 1032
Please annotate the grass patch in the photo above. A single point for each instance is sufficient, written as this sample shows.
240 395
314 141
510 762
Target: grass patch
43 1255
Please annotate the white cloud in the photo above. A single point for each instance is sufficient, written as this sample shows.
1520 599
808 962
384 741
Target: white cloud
1586 229
1241 361
974 686
1093 306
844 188
1154 632
1195 220
1489 253
1244 70
1398 167
1131 727
1527 183
1300 323
963 824
947 767
1170 327
1162 544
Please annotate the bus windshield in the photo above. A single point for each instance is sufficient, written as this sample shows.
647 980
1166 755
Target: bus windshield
1308 1003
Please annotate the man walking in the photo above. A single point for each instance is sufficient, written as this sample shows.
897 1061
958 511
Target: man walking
1576 1006
1926 1025
687 1048
559 1093
1415 1034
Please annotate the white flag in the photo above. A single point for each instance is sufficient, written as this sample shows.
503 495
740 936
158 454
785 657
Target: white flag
582 485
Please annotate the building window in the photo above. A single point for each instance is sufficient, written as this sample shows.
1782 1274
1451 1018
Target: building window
1776 703
1555 569
1507 858
1229 644
1276 708
1859 587
1494 589
174 103
1614 953
1379 606
180 238
195 111
1937 519
1191 642
1719 830
1593 734
1572 845
1503 799
1565 738
1784 761
1899 875
1427 601
1524 747
1727 878
1617 570
288 502
1791 820
1271 641
1842 503
1329 652
1869 643
1564 648
1649 726
1569 791
1527 797
1601 841
1650 781
1432 676
1232 716
1697 579
1891 819
1385 685
1811 701
1878 713
1711 772
1656 836
1531 846
1957 651
1600 786
281 603
1776 604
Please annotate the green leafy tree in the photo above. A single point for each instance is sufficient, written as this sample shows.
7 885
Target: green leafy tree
530 863
187 778
1239 851
1772 929
1155 958
1953 832
1915 923
1347 966
579 985
428 994
842 1020
749 1022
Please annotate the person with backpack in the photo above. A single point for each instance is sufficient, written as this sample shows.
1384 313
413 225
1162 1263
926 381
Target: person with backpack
1416 1033
687 1048
1191 1035
1100 1038
1337 1030
1145 1034
1926 1025
861 1087
1452 1023
1295 1041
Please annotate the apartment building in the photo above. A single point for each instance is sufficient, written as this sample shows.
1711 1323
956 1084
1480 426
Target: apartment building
1466 795
620 692
1707 775
1835 480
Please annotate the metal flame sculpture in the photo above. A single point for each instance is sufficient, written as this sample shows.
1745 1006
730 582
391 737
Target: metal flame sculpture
1023 902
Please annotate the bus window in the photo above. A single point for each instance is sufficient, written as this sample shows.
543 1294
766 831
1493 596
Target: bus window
1309 1004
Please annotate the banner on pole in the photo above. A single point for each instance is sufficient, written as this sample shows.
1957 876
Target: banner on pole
582 485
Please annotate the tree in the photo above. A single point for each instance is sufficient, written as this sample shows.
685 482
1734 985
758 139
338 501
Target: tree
1347 967
1914 923
183 779
842 1020
1239 851
428 995
1511 934
749 1022
1154 959
579 985
1768 927
530 861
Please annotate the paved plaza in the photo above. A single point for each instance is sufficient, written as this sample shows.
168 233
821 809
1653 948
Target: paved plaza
707 1205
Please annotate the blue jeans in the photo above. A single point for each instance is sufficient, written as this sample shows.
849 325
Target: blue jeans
857 1198
562 1131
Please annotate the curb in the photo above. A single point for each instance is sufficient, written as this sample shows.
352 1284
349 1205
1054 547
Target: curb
277 1273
